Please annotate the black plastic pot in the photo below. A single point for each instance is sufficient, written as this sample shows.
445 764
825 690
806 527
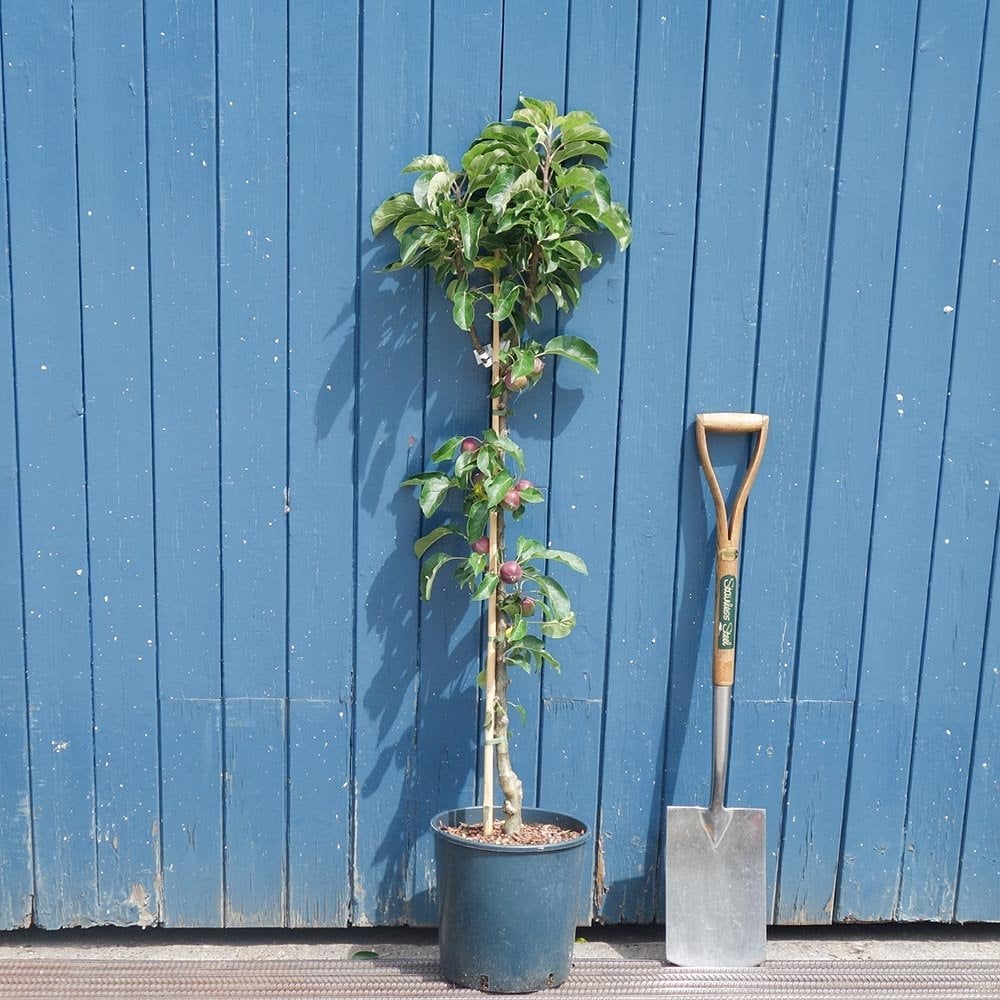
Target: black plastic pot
507 915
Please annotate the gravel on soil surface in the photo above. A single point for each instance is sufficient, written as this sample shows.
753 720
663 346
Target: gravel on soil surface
530 835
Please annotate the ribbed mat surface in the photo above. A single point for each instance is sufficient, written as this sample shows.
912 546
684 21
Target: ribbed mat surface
34 979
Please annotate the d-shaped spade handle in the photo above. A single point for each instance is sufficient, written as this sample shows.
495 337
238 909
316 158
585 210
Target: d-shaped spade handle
730 528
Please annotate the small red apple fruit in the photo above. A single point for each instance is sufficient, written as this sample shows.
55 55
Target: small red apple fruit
527 606
524 484
516 384
481 545
539 367
511 500
511 572
470 444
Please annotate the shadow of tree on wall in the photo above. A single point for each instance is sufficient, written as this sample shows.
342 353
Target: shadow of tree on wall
416 747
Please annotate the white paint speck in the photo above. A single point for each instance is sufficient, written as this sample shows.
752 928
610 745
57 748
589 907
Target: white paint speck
949 309
899 397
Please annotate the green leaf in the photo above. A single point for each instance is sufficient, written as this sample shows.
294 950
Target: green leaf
437 186
465 462
446 452
464 311
585 132
524 362
477 562
433 492
504 443
499 193
532 495
367 955
486 588
550 659
430 161
518 631
526 181
615 219
392 209
575 118
421 545
559 628
547 109
429 571
528 548
479 514
576 149
575 348
469 225
566 558
497 487
412 244
557 598
521 711
510 292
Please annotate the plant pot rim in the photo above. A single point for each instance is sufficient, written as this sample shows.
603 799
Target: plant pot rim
530 816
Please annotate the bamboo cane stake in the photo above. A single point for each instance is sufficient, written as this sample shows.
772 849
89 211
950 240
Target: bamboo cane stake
489 749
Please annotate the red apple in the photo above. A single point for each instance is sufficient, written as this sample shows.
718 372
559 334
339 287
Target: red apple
511 500
527 606
524 484
470 444
516 384
481 545
511 572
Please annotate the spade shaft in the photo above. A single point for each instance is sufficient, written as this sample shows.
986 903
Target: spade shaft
715 872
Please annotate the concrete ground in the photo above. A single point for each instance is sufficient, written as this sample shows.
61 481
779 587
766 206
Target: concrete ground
857 941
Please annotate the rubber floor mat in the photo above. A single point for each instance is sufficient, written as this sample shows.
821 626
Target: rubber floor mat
123 979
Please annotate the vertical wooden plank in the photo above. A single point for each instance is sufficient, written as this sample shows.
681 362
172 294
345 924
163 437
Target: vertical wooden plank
723 335
252 49
39 87
585 431
976 898
396 39
254 786
111 109
966 522
464 95
840 505
671 61
183 206
323 212
16 875
535 36
804 152
934 202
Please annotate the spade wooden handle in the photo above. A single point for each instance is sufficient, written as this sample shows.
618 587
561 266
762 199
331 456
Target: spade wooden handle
728 532
732 423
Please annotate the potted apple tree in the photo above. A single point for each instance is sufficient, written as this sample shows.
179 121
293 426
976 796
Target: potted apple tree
501 233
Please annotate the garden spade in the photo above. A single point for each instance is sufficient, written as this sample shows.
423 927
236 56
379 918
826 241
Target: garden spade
715 914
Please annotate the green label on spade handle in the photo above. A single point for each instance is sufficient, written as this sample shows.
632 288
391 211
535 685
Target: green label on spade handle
727 612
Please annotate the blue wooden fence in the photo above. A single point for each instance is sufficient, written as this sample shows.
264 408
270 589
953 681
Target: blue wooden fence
220 701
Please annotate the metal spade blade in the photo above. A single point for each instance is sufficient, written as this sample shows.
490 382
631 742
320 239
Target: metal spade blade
715 888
